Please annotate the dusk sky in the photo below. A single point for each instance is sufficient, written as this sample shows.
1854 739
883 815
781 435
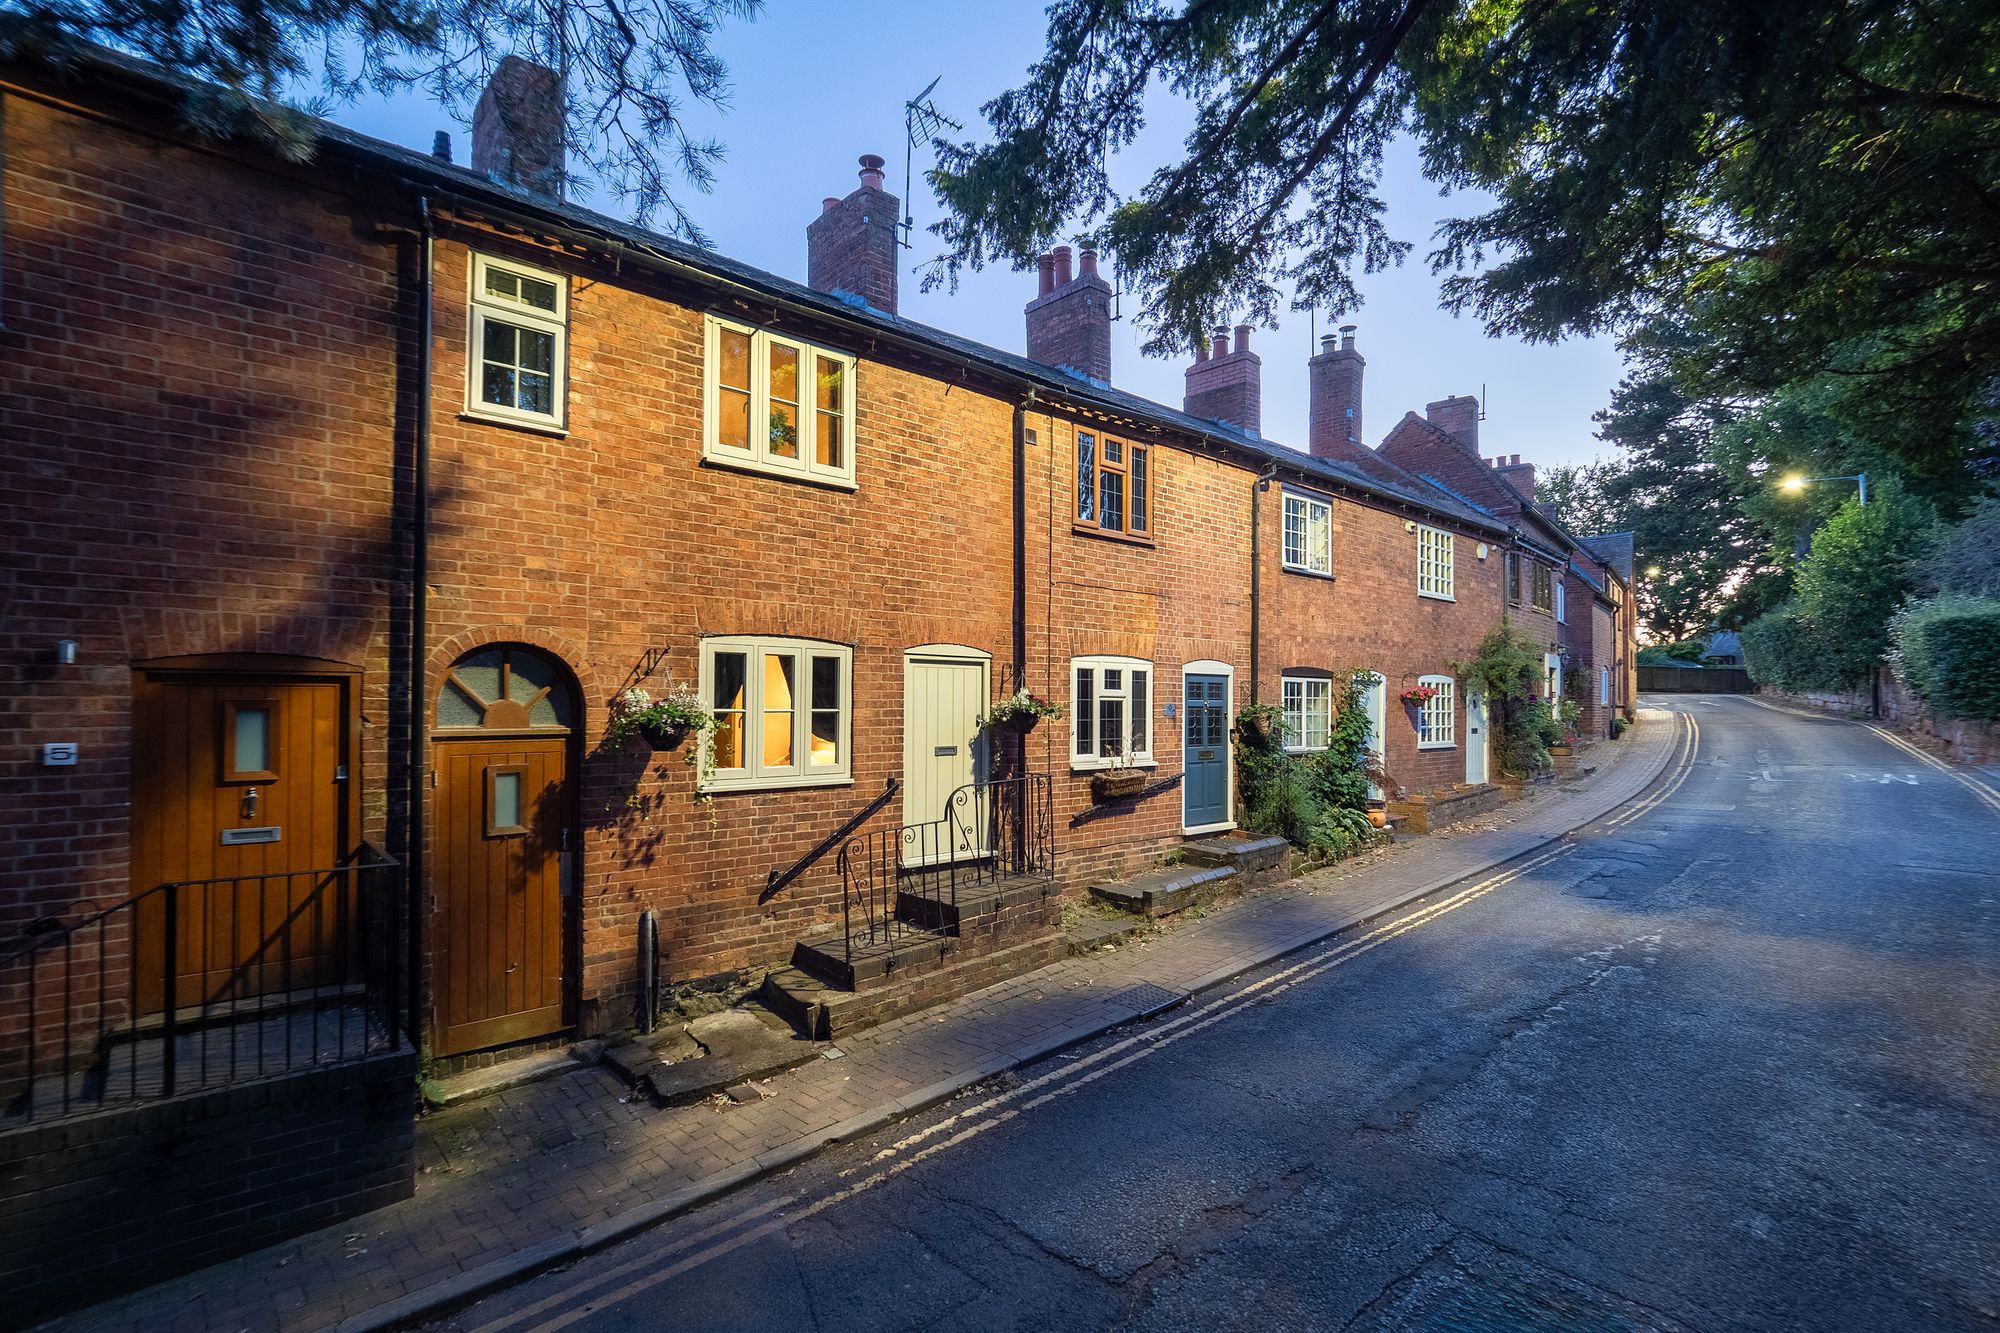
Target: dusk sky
816 85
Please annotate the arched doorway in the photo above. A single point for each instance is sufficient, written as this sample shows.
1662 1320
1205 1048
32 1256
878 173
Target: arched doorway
502 826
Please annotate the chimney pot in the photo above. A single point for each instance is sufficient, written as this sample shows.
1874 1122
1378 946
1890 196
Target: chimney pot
871 171
1231 391
1221 341
1087 263
1242 337
1347 336
1045 266
1063 273
1201 351
1327 341
1069 321
441 145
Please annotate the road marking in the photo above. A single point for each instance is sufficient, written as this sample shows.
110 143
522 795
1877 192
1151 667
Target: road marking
1030 1095
1689 745
1987 795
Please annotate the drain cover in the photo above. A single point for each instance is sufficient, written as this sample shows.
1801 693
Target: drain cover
1148 999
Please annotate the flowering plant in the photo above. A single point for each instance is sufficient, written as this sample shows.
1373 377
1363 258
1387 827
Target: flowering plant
1418 695
664 722
1022 706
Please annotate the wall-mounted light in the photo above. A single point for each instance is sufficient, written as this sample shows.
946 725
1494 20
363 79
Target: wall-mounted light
1409 525
65 652
1481 552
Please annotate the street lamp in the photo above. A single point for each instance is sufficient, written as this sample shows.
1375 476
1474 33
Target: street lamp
1795 483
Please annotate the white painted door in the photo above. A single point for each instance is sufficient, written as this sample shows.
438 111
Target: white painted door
1375 702
944 695
1475 737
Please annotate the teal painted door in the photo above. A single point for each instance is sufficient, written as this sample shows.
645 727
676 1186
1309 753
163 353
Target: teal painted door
1205 737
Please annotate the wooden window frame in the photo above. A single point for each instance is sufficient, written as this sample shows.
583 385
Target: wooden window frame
1308 507
494 772
1135 460
483 308
1513 578
1438 714
1095 759
1541 587
754 775
759 458
227 749
1437 575
1298 741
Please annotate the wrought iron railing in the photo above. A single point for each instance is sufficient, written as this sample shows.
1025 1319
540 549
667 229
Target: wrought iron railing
989 832
779 879
202 984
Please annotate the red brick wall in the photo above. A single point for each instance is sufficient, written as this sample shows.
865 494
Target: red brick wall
615 541
197 395
1369 616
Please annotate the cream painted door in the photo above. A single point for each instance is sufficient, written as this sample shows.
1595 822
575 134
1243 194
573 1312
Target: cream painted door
944 696
1375 702
1475 738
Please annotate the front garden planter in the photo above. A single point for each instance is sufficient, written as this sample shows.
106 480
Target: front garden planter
1116 785
1559 752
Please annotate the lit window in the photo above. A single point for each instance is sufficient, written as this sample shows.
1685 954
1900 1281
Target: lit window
1111 712
1308 534
1308 712
515 360
779 405
1434 574
782 713
1113 485
1437 728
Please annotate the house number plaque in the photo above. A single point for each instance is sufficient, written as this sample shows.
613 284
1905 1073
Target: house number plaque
236 837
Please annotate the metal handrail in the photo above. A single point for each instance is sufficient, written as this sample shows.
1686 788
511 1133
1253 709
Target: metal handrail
779 879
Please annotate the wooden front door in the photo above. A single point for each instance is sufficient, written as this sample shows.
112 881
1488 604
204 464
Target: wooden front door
501 823
241 794
944 749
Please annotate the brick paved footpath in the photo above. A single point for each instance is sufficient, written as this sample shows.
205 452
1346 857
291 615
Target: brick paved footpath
534 1176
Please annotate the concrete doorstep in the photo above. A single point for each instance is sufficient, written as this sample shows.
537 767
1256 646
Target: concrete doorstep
1633 766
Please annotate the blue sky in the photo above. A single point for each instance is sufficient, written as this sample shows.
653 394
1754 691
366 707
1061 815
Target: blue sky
818 84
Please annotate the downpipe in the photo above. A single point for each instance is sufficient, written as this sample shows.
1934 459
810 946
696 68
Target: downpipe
1257 489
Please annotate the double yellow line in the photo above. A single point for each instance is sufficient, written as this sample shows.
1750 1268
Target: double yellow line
1690 741
1988 795
663 1263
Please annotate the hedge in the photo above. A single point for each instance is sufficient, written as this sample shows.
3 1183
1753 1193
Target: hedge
1790 649
1948 652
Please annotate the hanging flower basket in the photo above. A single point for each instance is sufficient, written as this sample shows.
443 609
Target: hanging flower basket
664 735
1418 695
662 723
1116 785
1019 713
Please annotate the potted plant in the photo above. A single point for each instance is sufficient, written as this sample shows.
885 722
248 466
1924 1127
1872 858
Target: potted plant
1117 782
1261 723
662 723
1021 711
1566 715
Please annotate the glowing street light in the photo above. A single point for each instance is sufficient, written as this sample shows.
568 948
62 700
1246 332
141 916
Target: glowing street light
1796 483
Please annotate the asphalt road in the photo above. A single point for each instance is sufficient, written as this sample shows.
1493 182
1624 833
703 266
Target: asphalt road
1728 1063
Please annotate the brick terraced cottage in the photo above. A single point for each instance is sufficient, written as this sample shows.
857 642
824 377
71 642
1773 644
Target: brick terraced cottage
348 496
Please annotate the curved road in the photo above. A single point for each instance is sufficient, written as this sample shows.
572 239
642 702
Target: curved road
1730 1062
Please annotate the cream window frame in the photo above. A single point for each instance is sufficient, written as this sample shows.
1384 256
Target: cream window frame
1298 739
1307 508
1437 719
1435 564
483 308
1095 759
754 775
759 458
1562 602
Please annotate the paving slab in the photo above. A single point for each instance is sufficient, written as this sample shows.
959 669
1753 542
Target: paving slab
531 1177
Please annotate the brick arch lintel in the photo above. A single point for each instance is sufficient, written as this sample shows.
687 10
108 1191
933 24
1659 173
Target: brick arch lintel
559 646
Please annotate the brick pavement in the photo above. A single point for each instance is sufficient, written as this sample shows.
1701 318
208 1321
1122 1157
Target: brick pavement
532 1175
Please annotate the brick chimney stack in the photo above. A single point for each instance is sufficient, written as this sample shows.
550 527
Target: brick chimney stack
1227 385
851 246
1069 321
1458 417
1333 427
1519 475
517 128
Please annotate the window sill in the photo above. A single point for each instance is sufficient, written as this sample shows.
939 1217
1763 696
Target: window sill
550 428
1105 765
1437 745
1310 573
751 465
1438 596
1106 534
728 786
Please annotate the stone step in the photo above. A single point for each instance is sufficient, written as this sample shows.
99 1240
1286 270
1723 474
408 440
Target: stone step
824 1012
1257 857
867 964
1099 931
923 901
1166 890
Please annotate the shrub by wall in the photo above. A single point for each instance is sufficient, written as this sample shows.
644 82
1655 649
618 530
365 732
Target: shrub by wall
1948 652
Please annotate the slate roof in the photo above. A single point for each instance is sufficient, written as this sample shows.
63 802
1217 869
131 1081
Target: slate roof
1614 549
422 171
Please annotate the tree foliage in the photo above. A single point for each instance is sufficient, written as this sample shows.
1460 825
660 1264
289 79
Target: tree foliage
630 68
1948 652
1813 184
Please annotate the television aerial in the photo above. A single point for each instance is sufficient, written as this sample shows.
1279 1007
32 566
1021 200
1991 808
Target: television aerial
921 119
